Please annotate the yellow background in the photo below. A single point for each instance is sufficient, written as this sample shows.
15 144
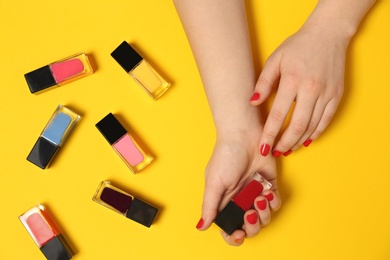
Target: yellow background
335 193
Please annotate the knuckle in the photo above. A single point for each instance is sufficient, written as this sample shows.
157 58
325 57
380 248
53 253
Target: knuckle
335 92
311 85
327 118
252 231
311 127
265 222
270 135
317 133
285 143
298 127
338 96
292 79
277 115
283 146
338 91
276 207
262 81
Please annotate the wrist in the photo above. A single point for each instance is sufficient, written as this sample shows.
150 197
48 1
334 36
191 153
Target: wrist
322 24
337 20
248 125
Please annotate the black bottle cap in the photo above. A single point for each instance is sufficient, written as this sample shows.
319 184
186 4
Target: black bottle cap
110 128
141 212
57 249
230 218
40 79
42 153
126 56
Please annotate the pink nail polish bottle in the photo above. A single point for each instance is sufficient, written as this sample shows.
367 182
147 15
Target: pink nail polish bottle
123 143
58 73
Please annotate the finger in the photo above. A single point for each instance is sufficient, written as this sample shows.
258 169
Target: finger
298 125
327 116
263 209
267 79
235 239
273 199
279 111
313 124
211 200
251 223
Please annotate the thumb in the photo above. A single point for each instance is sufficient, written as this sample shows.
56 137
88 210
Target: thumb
212 197
268 77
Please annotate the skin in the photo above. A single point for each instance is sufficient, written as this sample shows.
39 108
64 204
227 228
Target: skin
219 38
229 81
232 164
316 84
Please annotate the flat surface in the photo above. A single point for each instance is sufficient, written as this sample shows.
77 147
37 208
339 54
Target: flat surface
335 193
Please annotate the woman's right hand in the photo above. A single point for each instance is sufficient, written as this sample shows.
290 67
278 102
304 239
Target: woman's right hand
233 163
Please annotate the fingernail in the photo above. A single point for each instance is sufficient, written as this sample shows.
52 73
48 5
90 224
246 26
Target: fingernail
287 153
277 153
200 223
252 218
239 240
264 149
262 204
269 196
307 142
255 96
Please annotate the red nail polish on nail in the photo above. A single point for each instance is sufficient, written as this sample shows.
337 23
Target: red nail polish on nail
200 223
252 218
307 142
287 153
264 149
269 196
277 153
255 96
262 204
239 240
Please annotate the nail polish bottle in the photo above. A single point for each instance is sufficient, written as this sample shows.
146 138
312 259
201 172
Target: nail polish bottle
45 234
125 204
58 73
231 217
123 143
53 136
140 70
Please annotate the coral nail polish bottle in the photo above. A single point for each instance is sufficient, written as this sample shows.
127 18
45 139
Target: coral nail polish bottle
58 73
45 234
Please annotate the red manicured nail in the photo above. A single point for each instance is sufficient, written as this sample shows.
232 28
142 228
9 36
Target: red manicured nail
264 149
287 153
239 240
200 223
269 196
262 204
307 142
255 96
252 218
277 153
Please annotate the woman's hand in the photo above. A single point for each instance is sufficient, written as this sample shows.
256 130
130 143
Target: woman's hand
308 68
232 165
